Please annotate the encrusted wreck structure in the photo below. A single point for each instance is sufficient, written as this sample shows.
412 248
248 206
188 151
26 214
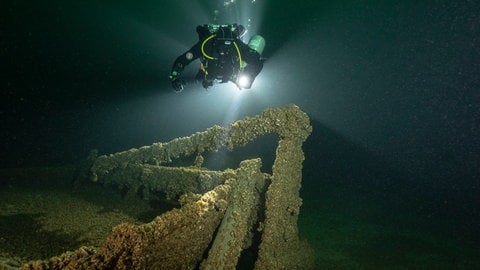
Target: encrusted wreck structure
221 213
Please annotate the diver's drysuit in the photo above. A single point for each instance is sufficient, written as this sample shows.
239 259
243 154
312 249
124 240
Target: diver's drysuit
224 57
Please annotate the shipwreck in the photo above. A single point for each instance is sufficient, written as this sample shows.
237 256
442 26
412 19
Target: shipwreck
221 213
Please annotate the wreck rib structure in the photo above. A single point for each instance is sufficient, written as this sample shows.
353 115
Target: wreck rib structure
220 211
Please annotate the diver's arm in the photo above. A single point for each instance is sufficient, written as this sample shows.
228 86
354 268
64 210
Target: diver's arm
180 63
186 58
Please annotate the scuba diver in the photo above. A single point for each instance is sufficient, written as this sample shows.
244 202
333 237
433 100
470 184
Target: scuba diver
223 55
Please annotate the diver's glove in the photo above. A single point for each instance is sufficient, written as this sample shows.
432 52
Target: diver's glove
177 83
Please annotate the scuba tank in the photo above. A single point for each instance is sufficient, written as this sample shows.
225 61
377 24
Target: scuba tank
257 43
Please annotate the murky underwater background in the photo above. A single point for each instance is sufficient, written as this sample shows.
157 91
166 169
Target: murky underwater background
391 178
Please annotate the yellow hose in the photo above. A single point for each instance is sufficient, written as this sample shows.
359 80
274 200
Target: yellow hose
213 58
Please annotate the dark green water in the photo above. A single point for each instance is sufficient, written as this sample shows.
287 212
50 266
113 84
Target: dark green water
391 177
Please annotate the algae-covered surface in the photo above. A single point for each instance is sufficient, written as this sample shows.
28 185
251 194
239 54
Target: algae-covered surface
346 229
41 221
180 238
